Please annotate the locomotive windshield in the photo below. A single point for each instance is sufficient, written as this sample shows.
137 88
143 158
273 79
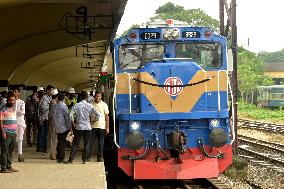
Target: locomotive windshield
132 57
207 55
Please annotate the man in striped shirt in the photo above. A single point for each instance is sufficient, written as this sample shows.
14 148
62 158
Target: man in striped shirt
8 126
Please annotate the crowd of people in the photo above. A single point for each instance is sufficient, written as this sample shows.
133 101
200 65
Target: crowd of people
48 119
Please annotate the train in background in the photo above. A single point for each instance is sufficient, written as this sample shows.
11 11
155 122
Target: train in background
271 96
171 104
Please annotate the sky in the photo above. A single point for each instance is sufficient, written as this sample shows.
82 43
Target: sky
259 21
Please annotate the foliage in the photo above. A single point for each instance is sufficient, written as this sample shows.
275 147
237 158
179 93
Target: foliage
194 17
169 8
133 26
252 112
238 169
250 71
272 57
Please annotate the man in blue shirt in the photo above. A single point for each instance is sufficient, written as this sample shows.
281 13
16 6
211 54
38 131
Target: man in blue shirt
62 125
43 119
82 115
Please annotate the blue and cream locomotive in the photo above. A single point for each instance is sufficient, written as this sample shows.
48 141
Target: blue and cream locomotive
170 103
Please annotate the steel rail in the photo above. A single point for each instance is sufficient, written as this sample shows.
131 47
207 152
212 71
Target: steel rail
262 126
262 156
217 183
277 147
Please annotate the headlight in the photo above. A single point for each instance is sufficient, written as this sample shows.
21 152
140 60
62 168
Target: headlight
134 140
171 34
214 123
175 33
218 137
134 125
167 34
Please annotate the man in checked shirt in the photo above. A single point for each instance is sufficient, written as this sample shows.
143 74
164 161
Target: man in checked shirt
62 125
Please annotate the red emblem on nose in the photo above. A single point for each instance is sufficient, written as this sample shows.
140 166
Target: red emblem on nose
173 91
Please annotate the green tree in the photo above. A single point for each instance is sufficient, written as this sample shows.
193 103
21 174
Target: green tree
272 57
194 17
250 72
126 31
169 8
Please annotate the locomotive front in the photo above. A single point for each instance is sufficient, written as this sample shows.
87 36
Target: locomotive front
171 103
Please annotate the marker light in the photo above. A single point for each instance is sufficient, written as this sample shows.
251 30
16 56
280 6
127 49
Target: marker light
170 22
214 123
207 34
167 34
132 36
135 125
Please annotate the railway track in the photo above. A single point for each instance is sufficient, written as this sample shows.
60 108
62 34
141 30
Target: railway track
272 146
262 156
253 185
268 154
117 179
218 183
262 126
190 184
262 153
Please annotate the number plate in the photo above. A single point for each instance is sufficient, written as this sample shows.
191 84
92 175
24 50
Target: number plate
150 35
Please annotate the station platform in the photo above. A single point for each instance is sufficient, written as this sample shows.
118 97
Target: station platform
38 171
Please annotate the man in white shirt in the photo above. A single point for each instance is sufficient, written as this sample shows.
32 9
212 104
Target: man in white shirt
52 140
21 124
100 128
81 117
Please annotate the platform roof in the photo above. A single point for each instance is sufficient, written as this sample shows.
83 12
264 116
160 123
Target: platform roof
35 48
